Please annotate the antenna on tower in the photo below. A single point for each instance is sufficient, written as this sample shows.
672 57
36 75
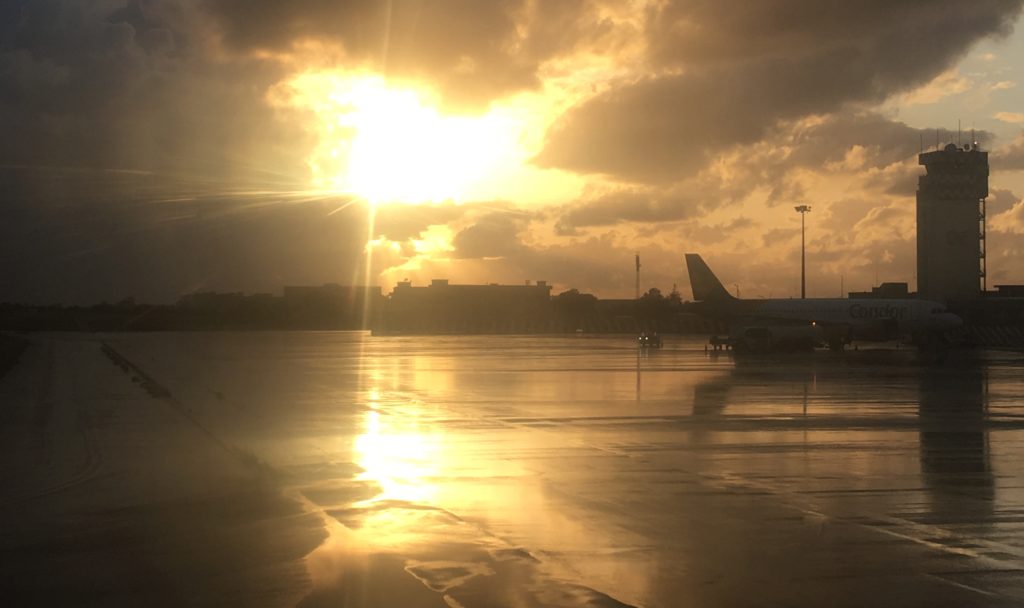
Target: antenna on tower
957 132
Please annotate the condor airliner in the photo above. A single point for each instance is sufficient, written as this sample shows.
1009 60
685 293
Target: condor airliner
794 323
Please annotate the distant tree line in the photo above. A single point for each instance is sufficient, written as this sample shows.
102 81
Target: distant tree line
445 309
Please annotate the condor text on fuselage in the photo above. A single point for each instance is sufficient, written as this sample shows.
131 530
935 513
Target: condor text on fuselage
858 311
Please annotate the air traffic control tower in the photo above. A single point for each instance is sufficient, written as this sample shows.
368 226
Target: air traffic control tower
951 223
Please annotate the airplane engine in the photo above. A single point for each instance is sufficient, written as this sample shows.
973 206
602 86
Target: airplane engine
776 338
880 331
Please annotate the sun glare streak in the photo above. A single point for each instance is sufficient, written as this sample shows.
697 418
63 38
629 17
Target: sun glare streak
386 144
366 273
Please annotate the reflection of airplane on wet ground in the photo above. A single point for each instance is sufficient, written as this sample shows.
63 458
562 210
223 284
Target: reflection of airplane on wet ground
795 324
864 395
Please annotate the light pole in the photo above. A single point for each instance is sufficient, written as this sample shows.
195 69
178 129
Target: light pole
802 210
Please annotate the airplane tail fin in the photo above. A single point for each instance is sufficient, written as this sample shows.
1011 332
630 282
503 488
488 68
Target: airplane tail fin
705 285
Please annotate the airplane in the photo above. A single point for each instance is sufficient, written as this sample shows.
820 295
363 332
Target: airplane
801 324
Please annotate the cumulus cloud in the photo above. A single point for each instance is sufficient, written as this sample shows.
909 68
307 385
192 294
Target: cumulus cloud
898 179
626 205
1005 238
1000 200
728 76
494 235
1009 157
398 222
1011 117
1010 217
829 139
700 232
601 264
880 153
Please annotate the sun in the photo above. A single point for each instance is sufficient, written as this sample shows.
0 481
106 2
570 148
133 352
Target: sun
386 144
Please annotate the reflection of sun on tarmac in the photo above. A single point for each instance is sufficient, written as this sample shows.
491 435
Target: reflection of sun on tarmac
399 455
406 456
463 494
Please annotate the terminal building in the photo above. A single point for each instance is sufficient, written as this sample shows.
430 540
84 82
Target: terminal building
951 223
892 291
443 307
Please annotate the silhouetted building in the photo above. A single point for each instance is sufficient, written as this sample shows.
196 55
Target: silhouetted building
1008 291
951 223
446 308
885 290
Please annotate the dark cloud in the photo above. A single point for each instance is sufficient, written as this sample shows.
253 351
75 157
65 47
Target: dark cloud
889 35
732 73
664 129
134 86
787 189
494 235
626 205
703 233
471 51
777 236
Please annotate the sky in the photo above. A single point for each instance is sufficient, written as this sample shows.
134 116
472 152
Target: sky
155 148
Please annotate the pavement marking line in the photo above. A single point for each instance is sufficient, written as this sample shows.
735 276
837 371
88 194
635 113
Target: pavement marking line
991 563
941 578
913 531
161 393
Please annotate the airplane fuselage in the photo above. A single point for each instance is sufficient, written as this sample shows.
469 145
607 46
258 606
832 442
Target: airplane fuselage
803 321
835 321
902 315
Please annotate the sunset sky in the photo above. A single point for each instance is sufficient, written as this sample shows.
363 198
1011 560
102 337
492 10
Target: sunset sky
156 148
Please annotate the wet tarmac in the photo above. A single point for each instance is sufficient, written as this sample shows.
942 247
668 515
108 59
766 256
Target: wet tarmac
339 469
